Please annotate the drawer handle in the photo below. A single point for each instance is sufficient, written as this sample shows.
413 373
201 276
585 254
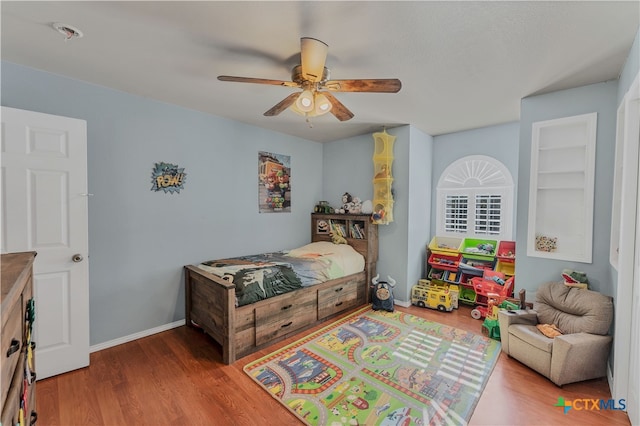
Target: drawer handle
15 347
34 417
286 325
338 304
284 308
338 290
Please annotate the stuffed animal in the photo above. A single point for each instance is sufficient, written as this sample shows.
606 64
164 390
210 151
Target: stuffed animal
382 294
347 200
356 207
367 207
337 239
576 279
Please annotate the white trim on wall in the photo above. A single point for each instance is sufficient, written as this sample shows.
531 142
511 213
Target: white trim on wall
135 336
471 177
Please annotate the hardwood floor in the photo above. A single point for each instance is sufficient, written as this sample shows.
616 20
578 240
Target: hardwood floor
177 377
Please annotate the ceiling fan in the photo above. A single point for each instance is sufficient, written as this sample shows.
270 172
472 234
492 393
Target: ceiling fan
314 79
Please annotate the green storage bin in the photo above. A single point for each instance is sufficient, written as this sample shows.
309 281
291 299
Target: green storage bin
478 247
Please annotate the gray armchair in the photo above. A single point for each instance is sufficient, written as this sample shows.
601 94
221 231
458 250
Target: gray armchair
580 353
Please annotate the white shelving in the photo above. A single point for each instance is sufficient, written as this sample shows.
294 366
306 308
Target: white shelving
561 188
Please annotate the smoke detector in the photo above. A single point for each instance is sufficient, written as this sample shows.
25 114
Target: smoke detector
68 31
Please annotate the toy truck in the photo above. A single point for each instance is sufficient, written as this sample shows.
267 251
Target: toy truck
432 296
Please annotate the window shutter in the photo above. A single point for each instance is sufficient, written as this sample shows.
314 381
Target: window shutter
475 197
488 214
456 213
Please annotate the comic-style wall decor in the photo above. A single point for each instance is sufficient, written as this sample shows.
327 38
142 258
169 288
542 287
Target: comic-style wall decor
168 178
274 182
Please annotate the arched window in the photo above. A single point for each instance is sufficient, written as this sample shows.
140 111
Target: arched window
475 199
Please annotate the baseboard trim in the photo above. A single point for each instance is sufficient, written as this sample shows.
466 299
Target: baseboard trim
402 303
135 336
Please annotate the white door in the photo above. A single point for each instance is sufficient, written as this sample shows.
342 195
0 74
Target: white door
44 209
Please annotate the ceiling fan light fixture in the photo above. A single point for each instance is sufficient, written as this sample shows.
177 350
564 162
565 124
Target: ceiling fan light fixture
305 101
322 104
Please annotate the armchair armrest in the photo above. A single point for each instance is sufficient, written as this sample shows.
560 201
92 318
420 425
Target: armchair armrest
519 316
507 318
579 356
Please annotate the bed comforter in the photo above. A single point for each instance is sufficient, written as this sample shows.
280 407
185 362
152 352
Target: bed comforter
260 276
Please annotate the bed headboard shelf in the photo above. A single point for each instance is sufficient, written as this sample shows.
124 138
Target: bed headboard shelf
358 230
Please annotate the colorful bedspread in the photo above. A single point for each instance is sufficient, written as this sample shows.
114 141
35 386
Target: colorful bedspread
260 276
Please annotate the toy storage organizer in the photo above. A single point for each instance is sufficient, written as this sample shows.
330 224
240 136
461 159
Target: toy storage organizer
475 269
382 178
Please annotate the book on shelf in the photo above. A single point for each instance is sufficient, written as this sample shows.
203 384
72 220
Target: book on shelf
338 228
357 231
352 231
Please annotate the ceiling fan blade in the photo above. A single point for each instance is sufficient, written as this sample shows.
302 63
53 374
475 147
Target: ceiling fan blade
340 111
257 80
384 85
313 55
282 105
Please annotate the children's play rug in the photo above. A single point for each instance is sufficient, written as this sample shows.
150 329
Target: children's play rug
380 368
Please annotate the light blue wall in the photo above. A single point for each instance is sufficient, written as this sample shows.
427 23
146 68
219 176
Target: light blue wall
138 239
500 142
600 98
419 199
348 167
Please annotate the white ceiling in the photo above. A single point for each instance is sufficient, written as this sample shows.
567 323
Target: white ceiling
463 65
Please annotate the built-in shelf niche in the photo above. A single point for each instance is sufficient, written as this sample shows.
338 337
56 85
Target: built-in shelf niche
561 188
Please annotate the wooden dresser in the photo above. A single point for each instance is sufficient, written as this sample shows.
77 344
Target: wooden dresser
17 354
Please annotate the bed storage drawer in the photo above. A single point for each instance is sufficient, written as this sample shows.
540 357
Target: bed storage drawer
336 298
283 316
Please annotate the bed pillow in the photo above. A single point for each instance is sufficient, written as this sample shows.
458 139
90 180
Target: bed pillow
345 260
319 248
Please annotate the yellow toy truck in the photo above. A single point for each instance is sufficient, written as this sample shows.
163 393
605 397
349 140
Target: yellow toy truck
432 296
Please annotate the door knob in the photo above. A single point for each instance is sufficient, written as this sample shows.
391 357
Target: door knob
77 257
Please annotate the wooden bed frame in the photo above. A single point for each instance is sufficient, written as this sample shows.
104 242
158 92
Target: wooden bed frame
210 300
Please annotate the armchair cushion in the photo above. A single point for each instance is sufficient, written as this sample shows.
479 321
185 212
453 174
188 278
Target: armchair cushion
573 310
531 335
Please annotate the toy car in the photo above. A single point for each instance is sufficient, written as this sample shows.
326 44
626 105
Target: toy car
432 296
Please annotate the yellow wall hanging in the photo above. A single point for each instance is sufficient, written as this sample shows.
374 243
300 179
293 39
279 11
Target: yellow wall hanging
382 178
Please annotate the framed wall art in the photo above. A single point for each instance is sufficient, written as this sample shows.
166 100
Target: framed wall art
168 178
274 182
